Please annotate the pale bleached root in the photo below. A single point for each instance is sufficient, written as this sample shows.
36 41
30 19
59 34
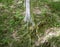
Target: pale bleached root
27 15
49 33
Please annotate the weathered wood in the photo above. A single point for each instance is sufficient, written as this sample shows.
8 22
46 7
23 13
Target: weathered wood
27 15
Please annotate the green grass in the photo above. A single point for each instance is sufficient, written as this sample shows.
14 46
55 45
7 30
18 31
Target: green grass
11 21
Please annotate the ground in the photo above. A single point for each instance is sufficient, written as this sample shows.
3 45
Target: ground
14 32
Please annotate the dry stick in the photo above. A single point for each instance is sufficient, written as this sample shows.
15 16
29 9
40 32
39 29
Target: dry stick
27 14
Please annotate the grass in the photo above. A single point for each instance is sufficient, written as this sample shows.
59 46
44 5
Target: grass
11 22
